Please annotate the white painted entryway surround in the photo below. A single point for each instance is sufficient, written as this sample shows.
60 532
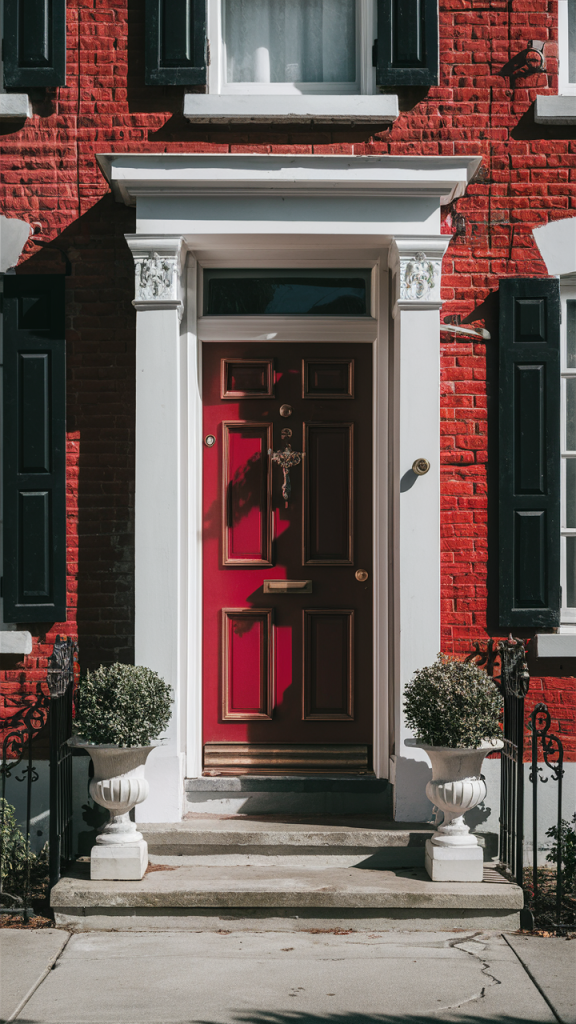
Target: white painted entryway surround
245 210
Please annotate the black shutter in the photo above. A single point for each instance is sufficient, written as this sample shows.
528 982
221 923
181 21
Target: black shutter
34 43
34 482
175 42
529 453
407 45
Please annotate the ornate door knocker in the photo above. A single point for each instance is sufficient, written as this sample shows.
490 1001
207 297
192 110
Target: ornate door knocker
286 459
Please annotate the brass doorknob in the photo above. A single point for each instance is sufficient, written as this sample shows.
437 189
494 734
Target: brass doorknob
285 410
420 466
361 575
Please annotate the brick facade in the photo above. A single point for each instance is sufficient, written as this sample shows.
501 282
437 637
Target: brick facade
50 178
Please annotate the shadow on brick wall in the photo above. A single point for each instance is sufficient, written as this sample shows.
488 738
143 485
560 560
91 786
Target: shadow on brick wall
100 366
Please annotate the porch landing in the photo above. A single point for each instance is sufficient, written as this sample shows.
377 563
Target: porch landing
220 873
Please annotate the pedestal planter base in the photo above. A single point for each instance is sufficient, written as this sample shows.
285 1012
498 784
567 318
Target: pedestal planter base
121 863
120 853
454 863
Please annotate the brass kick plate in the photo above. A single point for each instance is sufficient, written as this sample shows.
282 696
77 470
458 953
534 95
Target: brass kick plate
287 586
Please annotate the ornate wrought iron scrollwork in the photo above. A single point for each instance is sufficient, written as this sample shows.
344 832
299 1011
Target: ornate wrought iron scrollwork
17 748
552 747
514 678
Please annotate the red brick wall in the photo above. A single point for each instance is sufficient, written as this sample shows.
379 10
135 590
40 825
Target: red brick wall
50 178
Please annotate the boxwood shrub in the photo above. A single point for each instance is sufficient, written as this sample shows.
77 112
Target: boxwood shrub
128 705
453 704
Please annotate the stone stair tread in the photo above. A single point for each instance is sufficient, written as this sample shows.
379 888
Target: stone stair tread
285 830
244 886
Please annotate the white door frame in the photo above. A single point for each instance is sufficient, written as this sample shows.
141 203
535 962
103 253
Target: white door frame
316 329
196 207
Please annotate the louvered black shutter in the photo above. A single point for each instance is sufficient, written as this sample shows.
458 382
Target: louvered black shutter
34 481
34 43
529 453
407 44
175 42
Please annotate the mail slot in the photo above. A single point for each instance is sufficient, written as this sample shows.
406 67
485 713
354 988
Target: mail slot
287 586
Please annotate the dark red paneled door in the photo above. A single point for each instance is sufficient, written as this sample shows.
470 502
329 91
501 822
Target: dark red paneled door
287 562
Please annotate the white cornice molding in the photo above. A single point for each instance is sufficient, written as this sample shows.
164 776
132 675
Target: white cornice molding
132 175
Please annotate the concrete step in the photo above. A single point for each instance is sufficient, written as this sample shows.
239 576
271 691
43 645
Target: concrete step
283 899
289 794
290 841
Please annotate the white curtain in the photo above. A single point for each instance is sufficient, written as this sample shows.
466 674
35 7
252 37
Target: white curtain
290 40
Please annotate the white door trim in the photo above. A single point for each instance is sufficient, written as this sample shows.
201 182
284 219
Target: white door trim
241 207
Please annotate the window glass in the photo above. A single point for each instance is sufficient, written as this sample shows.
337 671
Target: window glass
290 40
570 494
571 332
571 414
572 40
296 292
571 572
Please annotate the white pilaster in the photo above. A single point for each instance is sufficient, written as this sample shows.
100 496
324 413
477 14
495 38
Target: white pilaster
416 499
160 503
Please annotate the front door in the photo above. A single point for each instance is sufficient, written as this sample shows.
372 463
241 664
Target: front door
287 553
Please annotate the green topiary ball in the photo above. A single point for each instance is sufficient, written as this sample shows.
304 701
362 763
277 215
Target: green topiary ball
128 705
453 704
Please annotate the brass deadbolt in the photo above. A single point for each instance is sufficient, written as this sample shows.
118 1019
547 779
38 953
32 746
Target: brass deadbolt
361 575
420 466
285 410
209 440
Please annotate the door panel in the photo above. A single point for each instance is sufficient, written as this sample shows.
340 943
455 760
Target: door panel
328 664
247 663
328 491
287 672
246 522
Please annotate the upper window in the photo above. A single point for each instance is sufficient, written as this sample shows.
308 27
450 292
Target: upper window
291 46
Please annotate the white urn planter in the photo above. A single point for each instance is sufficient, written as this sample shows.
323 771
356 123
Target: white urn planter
121 852
453 853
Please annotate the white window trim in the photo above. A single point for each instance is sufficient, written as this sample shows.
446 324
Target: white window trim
565 86
567 615
365 84
557 244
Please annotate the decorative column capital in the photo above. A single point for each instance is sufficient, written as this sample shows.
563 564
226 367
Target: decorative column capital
157 271
417 268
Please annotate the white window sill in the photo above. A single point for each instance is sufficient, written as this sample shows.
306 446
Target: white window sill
14 106
556 645
298 109
15 641
555 110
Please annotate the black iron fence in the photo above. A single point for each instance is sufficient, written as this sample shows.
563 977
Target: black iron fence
26 874
552 893
549 891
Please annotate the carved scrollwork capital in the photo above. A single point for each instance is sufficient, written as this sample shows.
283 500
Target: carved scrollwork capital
155 277
417 267
157 271
419 277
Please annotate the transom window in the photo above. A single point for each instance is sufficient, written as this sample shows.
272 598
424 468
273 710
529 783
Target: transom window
286 292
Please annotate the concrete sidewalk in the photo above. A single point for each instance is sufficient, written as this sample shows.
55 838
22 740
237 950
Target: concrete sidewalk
285 978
